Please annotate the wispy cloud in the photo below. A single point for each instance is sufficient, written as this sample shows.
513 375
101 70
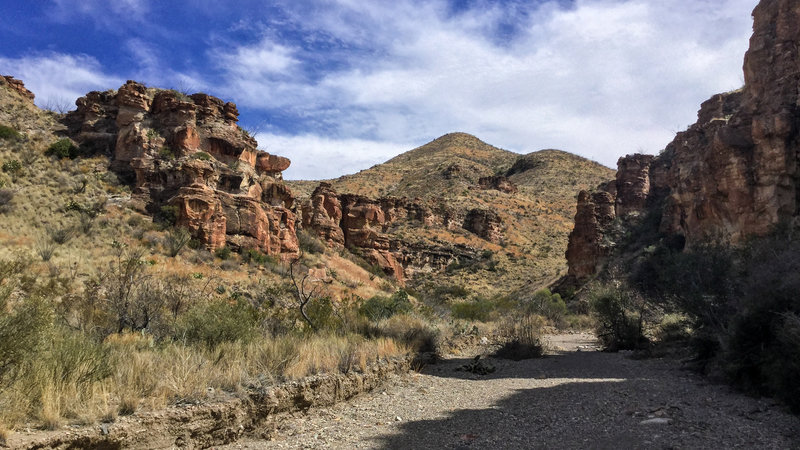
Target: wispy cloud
58 79
599 78
318 157
104 13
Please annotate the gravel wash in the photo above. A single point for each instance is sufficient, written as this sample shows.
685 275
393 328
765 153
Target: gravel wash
576 398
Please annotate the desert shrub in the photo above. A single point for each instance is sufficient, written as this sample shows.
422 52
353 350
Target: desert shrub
218 321
63 148
523 337
257 257
415 333
223 253
479 309
12 166
323 315
203 156
23 331
761 349
166 216
6 200
310 243
166 153
60 235
9 133
549 305
175 240
620 315
379 307
45 248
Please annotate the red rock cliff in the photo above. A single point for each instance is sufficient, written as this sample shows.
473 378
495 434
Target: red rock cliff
732 174
361 223
188 152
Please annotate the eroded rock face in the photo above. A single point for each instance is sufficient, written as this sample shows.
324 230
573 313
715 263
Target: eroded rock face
18 86
485 223
188 151
361 223
586 249
734 173
498 183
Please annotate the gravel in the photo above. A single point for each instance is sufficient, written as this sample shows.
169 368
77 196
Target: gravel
576 398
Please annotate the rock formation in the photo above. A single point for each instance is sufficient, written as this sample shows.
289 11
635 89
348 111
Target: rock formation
733 174
363 224
498 183
17 85
188 152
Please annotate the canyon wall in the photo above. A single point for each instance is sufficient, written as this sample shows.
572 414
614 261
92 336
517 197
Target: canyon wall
187 152
731 175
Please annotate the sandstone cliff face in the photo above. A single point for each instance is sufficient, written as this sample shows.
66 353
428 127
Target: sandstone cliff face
16 85
361 223
732 174
188 152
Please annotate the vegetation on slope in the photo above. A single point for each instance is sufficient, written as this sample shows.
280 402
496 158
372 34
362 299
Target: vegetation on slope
537 218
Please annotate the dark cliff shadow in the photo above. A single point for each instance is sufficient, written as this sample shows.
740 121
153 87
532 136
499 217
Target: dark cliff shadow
591 400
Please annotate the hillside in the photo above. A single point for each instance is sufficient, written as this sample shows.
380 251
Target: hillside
528 198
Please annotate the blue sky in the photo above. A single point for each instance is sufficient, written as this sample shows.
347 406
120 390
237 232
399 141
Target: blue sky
340 85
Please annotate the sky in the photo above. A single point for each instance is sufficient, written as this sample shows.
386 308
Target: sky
340 85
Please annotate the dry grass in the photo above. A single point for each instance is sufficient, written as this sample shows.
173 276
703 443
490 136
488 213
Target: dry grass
148 376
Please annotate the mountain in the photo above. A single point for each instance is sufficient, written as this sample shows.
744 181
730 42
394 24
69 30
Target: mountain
457 208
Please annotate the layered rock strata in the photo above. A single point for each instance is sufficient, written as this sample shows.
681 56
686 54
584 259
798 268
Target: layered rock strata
731 175
189 153
363 224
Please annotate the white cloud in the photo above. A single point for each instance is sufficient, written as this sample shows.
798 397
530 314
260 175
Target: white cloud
601 79
316 157
58 79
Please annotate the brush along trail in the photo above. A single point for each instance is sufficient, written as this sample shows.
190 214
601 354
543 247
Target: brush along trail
575 397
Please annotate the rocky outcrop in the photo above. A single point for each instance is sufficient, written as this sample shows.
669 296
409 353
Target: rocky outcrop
498 183
633 183
364 225
736 172
188 152
485 223
17 86
586 250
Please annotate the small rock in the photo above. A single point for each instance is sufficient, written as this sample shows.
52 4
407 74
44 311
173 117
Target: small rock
656 421
104 429
398 419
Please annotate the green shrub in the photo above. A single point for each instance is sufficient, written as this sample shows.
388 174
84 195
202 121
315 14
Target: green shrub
223 253
549 305
166 153
479 309
227 320
253 256
378 307
9 133
620 317
166 216
310 243
63 148
23 332
12 166
203 156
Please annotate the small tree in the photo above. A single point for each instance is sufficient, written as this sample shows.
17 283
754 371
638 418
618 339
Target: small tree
303 292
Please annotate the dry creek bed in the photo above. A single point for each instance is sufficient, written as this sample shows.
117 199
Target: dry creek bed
577 397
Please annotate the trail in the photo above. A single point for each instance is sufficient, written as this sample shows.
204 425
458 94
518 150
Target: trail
575 398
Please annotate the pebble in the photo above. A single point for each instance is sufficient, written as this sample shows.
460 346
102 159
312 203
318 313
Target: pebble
656 421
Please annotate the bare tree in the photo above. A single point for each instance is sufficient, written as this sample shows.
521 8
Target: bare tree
303 295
